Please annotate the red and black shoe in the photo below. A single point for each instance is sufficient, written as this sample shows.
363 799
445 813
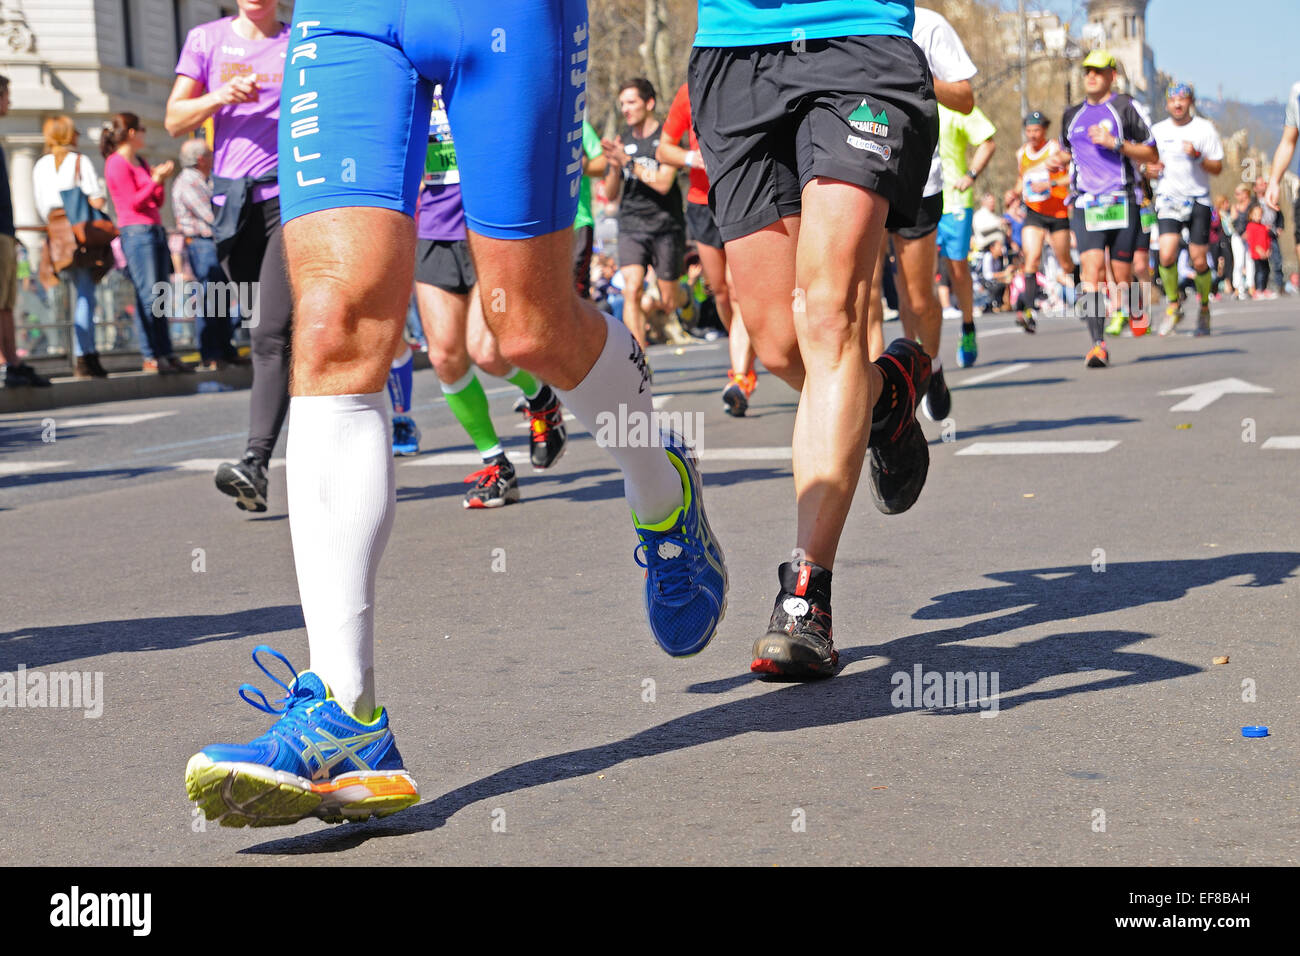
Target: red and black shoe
798 644
898 454
546 429
494 486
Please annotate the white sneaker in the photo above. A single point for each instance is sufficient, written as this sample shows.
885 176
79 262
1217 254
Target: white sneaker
951 313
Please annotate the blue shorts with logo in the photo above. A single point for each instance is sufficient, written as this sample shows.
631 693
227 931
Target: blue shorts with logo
956 229
357 95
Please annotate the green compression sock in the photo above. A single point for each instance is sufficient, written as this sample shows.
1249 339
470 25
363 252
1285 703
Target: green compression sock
1169 279
524 382
468 402
1204 283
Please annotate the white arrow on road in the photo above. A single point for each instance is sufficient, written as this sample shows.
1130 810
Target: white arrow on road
1200 396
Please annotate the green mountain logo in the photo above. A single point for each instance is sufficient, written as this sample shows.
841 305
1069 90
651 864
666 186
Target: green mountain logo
864 120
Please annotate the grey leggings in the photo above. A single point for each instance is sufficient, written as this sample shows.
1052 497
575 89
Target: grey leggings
258 255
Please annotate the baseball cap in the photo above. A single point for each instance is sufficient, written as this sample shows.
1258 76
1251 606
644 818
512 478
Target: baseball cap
1102 59
1036 119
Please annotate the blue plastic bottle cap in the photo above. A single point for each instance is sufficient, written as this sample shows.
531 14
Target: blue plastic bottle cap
1257 731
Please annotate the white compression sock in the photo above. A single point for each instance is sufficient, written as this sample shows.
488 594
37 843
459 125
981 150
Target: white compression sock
342 492
651 483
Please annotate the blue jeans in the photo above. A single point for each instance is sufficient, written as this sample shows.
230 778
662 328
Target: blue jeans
149 263
83 311
214 331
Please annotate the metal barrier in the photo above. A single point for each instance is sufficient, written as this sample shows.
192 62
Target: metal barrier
43 318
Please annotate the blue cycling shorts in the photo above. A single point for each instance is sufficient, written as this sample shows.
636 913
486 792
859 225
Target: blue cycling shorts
357 95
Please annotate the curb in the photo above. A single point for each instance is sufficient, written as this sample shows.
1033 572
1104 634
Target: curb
118 387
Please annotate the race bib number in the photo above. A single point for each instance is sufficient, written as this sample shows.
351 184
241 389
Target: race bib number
1148 216
440 167
1038 190
1172 207
440 164
1105 212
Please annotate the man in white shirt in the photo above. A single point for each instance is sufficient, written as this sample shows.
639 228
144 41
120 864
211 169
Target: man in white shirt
1190 153
914 245
1282 159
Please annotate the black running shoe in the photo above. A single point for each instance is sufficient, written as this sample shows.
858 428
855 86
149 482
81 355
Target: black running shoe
1026 321
798 642
899 456
546 427
245 481
494 486
937 403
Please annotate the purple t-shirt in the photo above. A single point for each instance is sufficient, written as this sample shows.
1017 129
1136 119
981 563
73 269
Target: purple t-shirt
1098 171
439 214
244 133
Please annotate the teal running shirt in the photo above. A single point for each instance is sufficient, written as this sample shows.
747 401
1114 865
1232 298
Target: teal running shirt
758 22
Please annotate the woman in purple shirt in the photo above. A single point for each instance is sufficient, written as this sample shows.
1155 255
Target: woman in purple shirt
230 70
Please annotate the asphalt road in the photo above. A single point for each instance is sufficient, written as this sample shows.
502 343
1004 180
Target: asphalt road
544 725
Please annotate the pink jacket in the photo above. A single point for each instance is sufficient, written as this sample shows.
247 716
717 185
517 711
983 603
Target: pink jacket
136 197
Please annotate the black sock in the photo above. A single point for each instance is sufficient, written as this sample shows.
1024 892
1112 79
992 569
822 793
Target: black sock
1031 290
808 580
888 398
968 327
541 399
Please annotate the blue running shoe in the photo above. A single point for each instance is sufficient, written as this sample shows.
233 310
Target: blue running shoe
967 350
316 760
406 436
686 573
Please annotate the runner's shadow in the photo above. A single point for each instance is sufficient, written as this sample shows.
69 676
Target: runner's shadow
1040 595
1167 356
850 697
1039 425
49 477
39 646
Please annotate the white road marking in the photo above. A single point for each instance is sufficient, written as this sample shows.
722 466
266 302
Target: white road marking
1201 396
1285 442
990 376
463 458
1038 447
774 453
460 459
20 467
109 419
985 333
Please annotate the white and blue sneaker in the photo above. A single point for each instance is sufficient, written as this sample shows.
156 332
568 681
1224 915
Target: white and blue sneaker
686 573
316 760
406 436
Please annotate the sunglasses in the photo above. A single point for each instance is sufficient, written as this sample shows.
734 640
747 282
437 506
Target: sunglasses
1094 69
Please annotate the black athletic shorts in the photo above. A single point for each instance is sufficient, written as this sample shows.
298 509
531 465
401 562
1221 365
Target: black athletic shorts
700 225
666 251
856 109
583 241
1197 225
1296 220
927 219
446 264
1121 243
1049 223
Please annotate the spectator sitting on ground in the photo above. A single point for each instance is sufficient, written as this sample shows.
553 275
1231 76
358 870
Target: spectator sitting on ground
995 274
